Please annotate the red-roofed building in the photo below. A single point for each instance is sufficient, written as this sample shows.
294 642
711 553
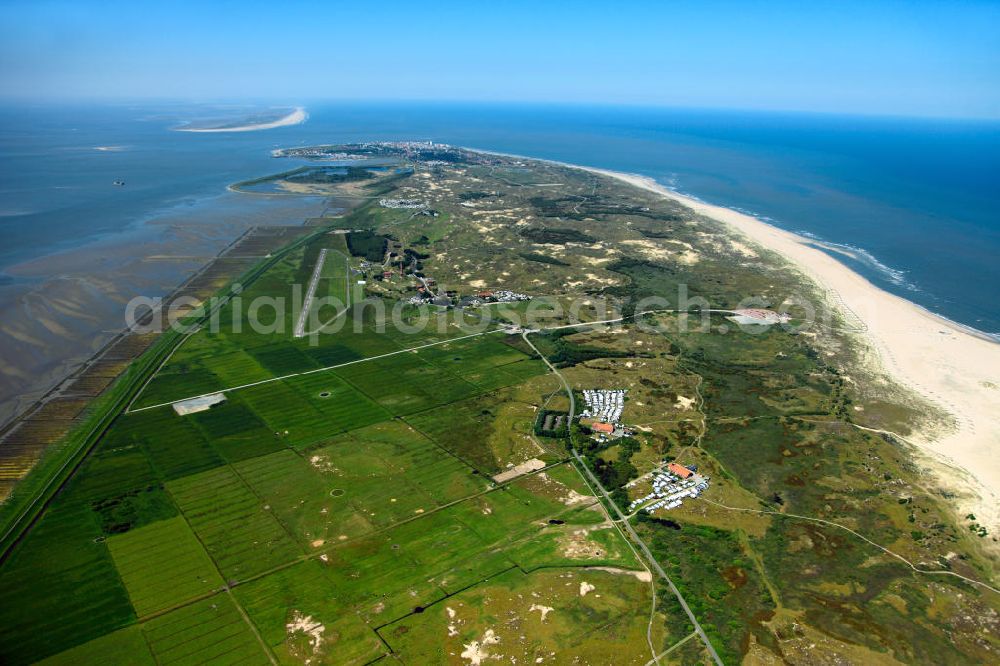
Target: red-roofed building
606 428
679 470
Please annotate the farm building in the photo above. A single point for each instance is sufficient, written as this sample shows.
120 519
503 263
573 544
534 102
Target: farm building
679 470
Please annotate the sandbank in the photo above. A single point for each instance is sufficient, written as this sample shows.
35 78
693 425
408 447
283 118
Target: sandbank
296 117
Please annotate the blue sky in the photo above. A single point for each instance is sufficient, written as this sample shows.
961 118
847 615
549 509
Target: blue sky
900 58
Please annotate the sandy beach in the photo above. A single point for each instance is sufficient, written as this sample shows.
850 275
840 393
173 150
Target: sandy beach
951 366
296 117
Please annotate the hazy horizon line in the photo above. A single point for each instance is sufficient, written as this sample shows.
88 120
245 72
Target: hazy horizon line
19 100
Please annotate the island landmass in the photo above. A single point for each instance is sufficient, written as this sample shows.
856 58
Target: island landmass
494 408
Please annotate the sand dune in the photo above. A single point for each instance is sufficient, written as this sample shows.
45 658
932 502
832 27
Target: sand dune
953 367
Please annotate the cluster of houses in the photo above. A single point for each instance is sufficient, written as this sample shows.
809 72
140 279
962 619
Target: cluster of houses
603 413
671 488
317 153
497 296
425 294
356 151
401 203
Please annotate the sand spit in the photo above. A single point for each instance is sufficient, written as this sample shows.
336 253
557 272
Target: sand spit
951 366
296 117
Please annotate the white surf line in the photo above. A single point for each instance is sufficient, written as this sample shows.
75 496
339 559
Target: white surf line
300 325
312 372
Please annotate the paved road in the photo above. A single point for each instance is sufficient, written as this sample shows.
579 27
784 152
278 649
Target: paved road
129 410
569 391
300 324
307 304
622 520
312 372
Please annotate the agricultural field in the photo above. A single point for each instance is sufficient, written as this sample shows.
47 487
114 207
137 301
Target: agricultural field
380 488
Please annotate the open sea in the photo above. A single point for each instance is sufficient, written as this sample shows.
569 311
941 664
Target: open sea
916 203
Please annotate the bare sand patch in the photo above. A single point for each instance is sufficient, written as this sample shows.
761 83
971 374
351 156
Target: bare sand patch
544 610
577 545
519 470
477 651
743 249
573 497
643 576
593 277
648 249
312 630
684 403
